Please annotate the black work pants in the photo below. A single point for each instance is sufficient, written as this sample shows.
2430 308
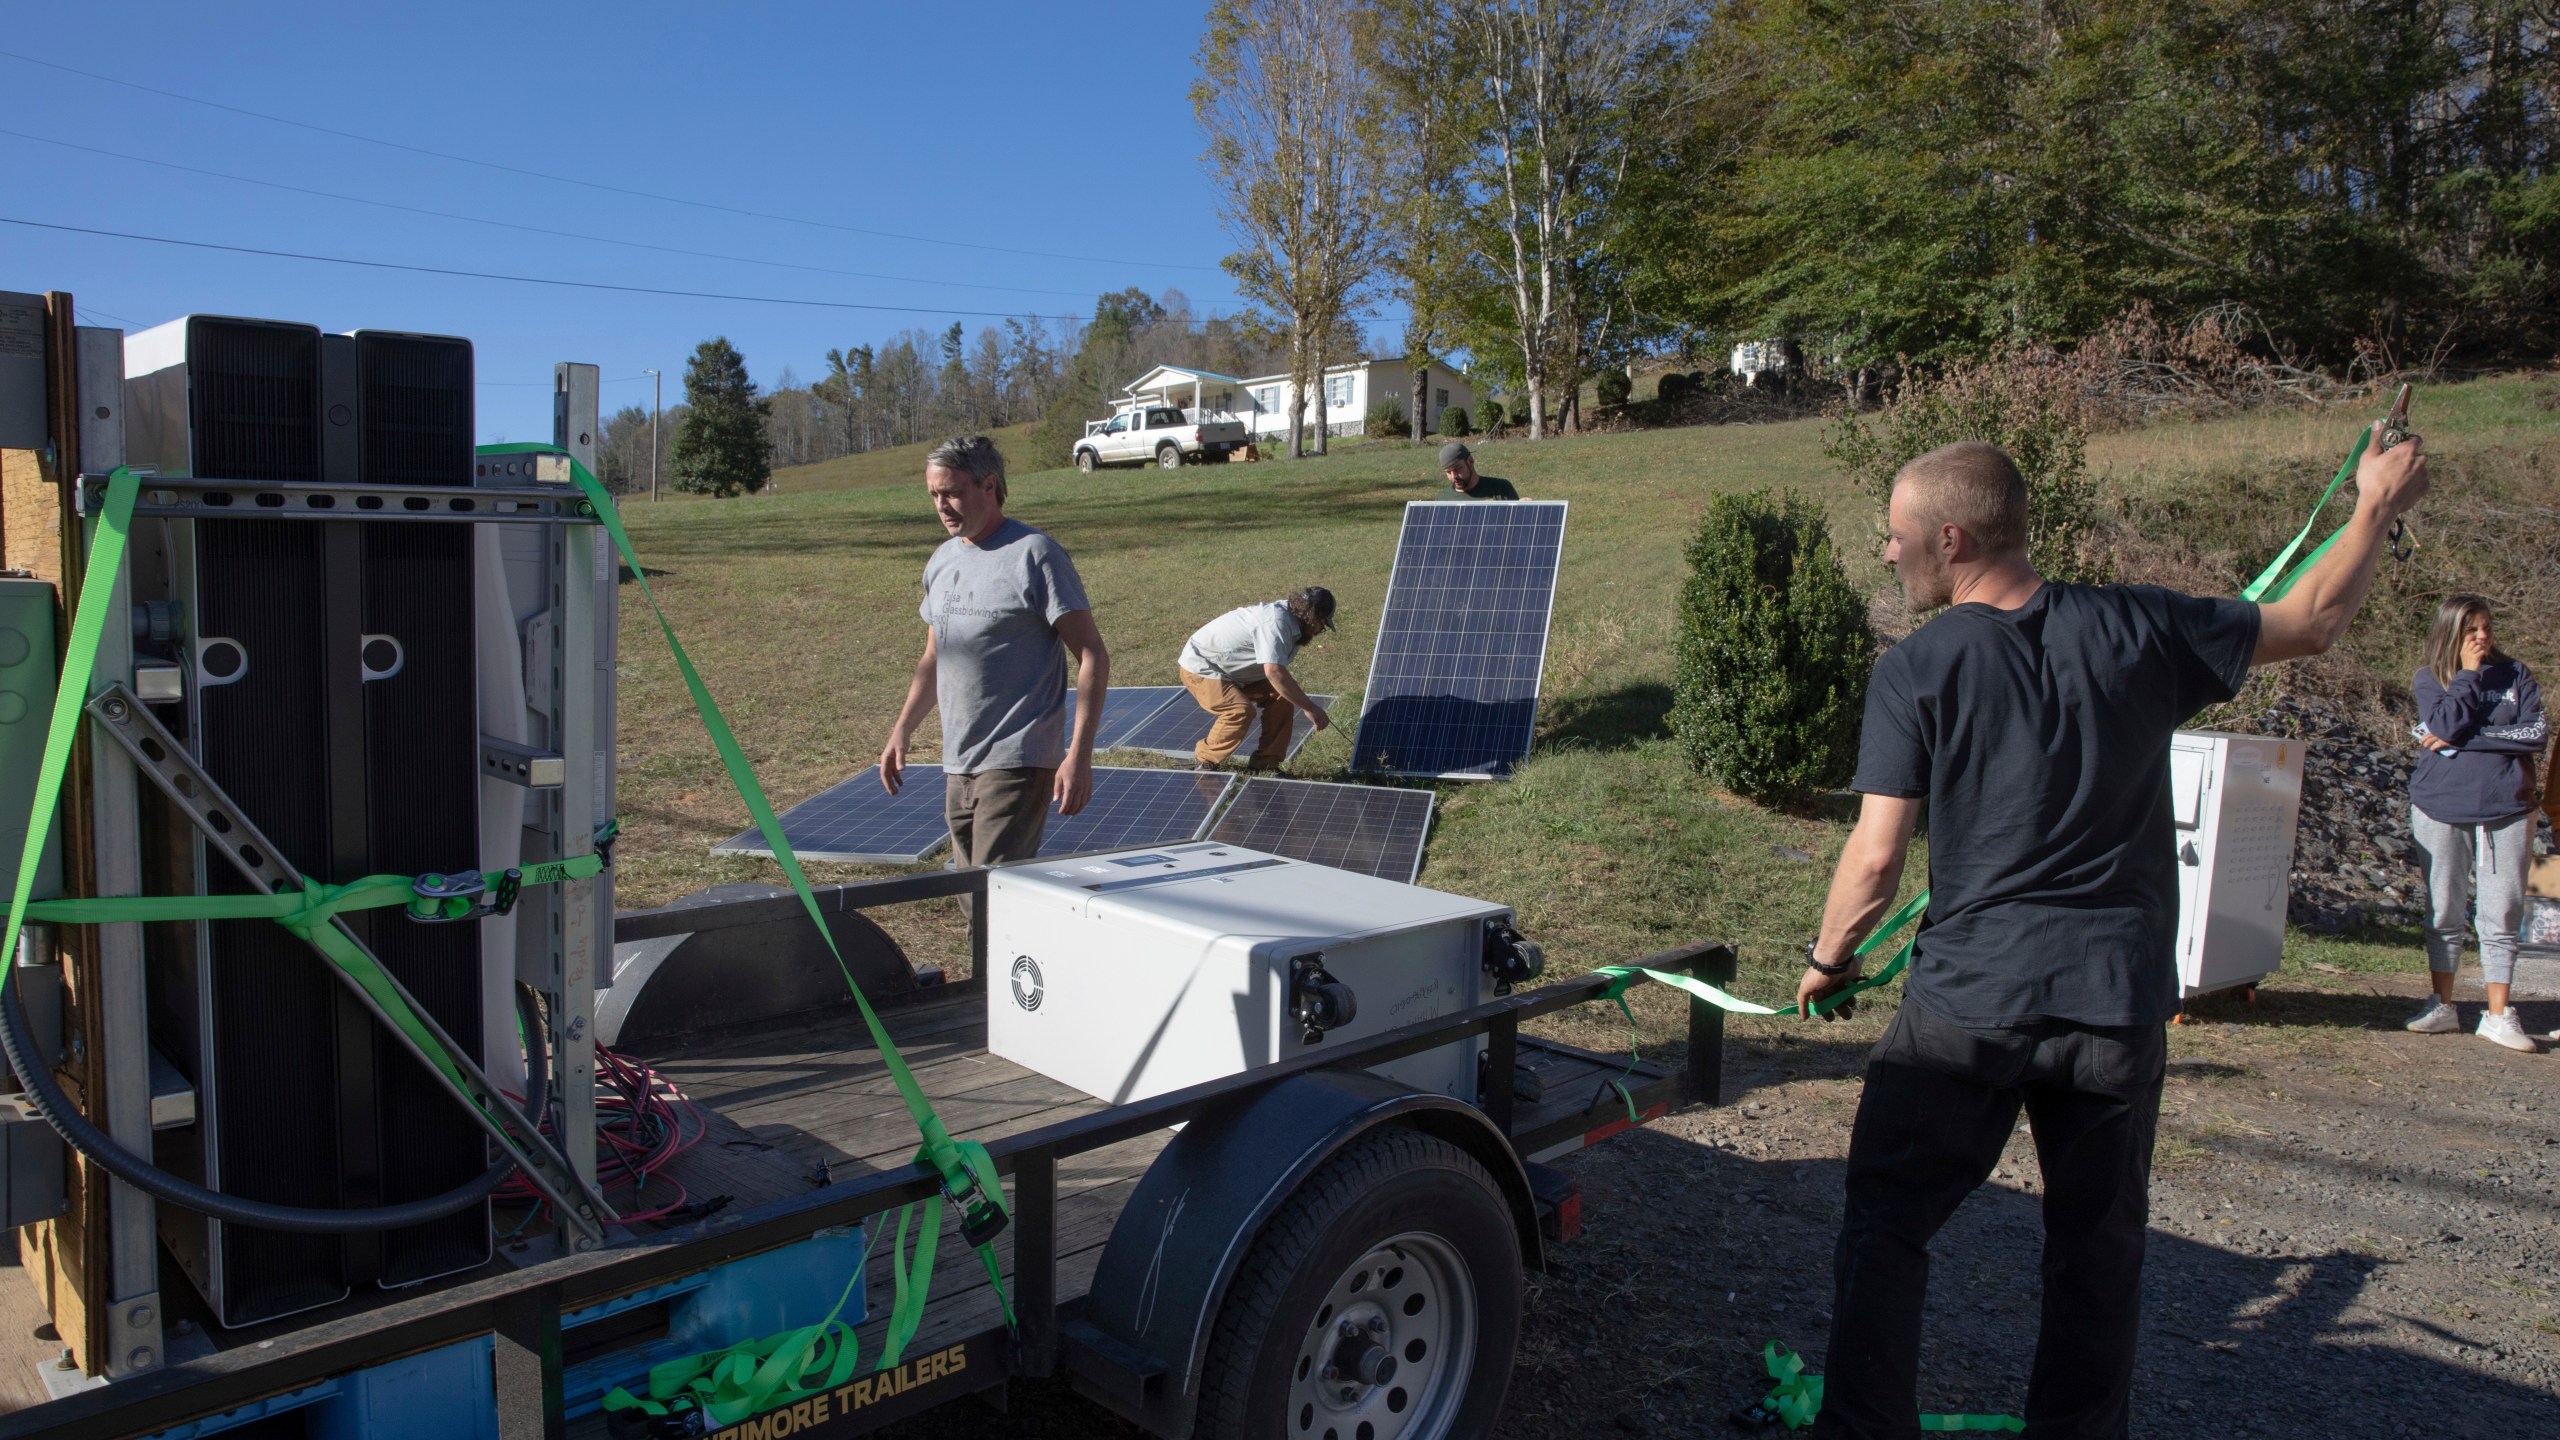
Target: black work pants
1940 1103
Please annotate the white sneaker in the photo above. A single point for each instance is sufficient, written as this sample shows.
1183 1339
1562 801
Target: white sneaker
2503 1028
2437 1018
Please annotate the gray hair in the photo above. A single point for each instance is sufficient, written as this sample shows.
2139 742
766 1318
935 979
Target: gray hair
975 454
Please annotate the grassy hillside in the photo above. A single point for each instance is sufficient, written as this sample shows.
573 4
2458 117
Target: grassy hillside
898 465
802 610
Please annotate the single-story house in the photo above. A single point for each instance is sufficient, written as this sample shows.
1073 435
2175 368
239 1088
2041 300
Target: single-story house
1263 401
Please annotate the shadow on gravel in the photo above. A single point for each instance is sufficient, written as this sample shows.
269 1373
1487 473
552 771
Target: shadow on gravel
1652 1323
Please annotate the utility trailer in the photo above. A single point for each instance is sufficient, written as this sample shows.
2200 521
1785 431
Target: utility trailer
1176 1275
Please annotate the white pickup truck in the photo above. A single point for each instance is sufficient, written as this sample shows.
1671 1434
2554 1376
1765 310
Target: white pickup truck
1160 433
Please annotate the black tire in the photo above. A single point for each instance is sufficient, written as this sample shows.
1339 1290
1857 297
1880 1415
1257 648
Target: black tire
1169 456
1421 1201
1086 461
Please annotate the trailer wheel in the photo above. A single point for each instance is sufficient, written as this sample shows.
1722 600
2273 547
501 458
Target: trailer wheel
1169 456
1086 460
1381 1303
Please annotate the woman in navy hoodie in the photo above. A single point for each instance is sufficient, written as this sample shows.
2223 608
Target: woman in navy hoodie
2471 806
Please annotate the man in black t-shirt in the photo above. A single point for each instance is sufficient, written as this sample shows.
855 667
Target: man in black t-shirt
2034 720
1458 463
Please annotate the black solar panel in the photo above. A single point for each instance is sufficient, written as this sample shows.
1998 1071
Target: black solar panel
1453 687
1124 708
1176 728
856 820
1369 828
1132 807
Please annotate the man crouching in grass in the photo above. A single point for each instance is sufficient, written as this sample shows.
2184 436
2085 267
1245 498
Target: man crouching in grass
2034 719
1004 607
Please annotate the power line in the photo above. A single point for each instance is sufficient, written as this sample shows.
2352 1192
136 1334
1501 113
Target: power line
528 279
585 184
528 229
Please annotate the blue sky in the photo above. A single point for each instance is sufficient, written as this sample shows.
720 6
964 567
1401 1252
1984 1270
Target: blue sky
1062 130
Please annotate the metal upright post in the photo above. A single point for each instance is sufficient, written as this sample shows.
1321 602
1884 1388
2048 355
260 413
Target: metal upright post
657 403
133 1253
584 944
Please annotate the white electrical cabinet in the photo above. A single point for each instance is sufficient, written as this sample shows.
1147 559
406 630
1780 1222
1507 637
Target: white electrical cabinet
2234 799
1132 974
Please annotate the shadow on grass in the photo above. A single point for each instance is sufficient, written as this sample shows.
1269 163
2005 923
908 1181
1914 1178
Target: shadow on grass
2290 1009
1619 719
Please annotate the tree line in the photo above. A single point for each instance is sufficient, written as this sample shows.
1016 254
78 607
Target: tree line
1556 187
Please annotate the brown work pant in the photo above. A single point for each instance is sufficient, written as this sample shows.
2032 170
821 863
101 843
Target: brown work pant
997 815
1234 705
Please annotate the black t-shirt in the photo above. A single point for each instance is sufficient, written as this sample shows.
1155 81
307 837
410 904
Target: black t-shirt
1487 487
2040 736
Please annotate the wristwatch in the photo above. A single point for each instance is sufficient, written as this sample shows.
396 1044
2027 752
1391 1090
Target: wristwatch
1843 968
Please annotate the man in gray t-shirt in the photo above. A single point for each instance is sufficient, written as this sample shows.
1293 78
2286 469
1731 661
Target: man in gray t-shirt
1005 607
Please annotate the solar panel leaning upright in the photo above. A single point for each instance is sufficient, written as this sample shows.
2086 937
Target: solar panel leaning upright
1462 639
336 700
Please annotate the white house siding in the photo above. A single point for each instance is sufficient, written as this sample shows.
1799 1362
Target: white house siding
1265 399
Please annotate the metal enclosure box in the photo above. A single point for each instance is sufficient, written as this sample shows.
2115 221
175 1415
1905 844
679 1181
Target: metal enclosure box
1138 972
2234 800
26 712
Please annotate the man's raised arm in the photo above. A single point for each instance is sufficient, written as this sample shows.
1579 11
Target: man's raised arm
2316 611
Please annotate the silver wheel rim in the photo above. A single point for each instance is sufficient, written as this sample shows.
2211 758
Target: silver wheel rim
1412 1298
1169 458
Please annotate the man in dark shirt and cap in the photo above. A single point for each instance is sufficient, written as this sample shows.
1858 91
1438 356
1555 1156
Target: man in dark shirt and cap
1459 464
2034 720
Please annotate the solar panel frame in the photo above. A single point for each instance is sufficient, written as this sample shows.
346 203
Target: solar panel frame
1124 709
854 822
1270 815
1131 796
1175 729
1430 562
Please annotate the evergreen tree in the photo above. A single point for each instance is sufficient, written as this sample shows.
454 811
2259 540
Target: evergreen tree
721 447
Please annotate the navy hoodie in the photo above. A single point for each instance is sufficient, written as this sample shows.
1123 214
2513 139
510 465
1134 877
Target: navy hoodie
2492 717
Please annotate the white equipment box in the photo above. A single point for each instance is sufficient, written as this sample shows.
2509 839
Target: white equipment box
2234 799
1132 974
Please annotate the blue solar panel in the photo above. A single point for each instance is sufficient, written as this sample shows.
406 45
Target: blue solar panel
1124 708
1176 728
1369 828
1453 686
856 820
1132 807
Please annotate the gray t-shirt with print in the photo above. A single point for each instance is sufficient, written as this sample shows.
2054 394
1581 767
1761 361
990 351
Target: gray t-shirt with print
1002 671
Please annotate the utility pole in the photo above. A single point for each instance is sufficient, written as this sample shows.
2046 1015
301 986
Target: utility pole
657 394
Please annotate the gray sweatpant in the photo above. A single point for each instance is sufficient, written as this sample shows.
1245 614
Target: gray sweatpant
2461 860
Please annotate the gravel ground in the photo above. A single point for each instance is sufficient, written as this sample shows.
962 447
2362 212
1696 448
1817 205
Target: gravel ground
2353 1233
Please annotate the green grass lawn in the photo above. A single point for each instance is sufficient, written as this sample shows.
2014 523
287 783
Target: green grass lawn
801 608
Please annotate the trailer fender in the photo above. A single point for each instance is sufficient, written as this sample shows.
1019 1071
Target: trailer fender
1137 1340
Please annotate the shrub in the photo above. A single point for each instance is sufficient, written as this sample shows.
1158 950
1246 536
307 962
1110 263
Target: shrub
1520 409
1773 652
1675 387
1614 387
1454 422
1387 421
2028 407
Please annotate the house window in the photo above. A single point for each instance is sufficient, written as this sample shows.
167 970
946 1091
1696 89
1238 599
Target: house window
1267 399
1337 392
1440 399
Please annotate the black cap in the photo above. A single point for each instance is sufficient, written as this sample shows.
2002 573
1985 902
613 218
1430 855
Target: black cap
1314 601
1452 453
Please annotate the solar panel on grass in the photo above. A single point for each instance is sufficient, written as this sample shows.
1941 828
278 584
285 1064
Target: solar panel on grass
1178 727
855 820
1372 829
1124 708
1453 685
1132 807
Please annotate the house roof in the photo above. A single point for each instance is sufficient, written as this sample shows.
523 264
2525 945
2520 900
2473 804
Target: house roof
1162 375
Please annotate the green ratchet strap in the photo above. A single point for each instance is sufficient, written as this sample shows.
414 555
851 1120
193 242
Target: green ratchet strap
2275 580
967 1171
753 1376
1625 975
1797 1398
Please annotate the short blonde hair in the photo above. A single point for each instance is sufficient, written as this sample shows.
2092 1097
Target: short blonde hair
1973 486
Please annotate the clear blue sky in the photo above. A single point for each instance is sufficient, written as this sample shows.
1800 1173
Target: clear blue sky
1058 129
